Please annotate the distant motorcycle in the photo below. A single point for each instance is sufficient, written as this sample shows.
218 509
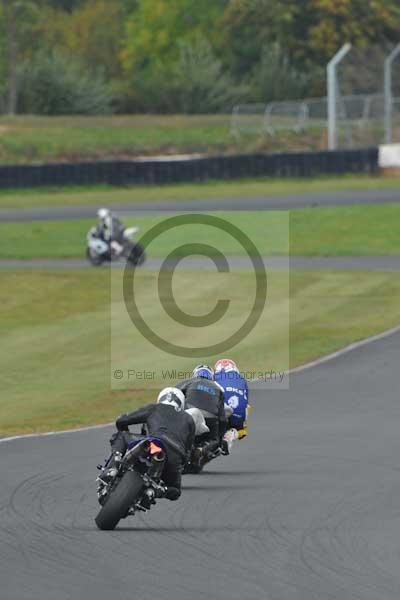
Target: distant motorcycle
135 485
98 251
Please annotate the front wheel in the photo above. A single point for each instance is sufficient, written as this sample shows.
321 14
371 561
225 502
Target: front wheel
95 259
120 500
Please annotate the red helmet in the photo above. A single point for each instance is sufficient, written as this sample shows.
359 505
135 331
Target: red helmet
225 364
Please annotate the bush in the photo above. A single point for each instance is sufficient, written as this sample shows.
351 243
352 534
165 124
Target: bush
202 85
196 83
146 93
54 85
276 78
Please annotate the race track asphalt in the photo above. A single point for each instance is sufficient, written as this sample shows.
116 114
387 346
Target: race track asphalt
272 202
306 508
313 263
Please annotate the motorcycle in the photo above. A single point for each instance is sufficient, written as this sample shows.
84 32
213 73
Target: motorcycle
98 251
202 454
200 457
136 484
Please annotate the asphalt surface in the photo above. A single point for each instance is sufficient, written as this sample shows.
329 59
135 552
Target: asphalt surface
273 202
306 508
347 263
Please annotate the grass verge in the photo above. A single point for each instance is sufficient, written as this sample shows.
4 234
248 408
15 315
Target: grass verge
67 239
323 231
35 138
55 350
107 195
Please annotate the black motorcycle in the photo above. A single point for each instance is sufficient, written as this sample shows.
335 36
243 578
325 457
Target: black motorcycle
134 486
201 455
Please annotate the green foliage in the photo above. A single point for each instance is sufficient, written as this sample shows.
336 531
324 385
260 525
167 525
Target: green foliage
251 25
92 33
195 83
363 22
3 61
68 5
184 55
201 83
52 85
155 30
277 78
156 50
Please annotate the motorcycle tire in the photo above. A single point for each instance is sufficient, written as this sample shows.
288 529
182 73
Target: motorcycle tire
120 500
95 260
191 469
137 255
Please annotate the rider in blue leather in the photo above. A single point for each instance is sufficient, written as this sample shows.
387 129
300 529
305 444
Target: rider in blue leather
236 394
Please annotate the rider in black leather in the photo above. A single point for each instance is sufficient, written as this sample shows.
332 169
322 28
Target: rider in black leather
204 393
168 421
109 228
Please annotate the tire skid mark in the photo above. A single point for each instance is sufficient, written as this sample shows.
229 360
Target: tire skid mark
42 541
333 552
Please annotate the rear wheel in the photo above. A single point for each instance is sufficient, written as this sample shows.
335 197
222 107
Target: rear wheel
120 500
136 255
191 469
196 463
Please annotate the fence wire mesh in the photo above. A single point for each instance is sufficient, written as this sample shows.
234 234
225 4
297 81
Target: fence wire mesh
360 106
360 118
360 97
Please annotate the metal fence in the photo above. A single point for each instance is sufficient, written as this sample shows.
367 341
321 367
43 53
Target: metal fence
360 119
362 106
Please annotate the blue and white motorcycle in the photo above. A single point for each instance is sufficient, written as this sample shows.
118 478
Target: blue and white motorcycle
99 251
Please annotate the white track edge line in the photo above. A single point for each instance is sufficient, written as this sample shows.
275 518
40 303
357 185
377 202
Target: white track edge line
337 353
53 433
300 369
345 350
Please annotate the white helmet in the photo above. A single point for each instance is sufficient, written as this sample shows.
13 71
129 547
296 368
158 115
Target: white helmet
103 213
198 419
172 396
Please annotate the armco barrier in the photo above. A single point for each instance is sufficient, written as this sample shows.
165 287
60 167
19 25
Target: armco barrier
291 164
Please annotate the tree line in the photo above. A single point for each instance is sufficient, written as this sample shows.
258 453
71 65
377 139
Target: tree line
174 56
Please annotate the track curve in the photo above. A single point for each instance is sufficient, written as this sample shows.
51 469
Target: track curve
306 508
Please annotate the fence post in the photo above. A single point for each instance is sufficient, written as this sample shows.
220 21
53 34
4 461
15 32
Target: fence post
388 92
332 94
